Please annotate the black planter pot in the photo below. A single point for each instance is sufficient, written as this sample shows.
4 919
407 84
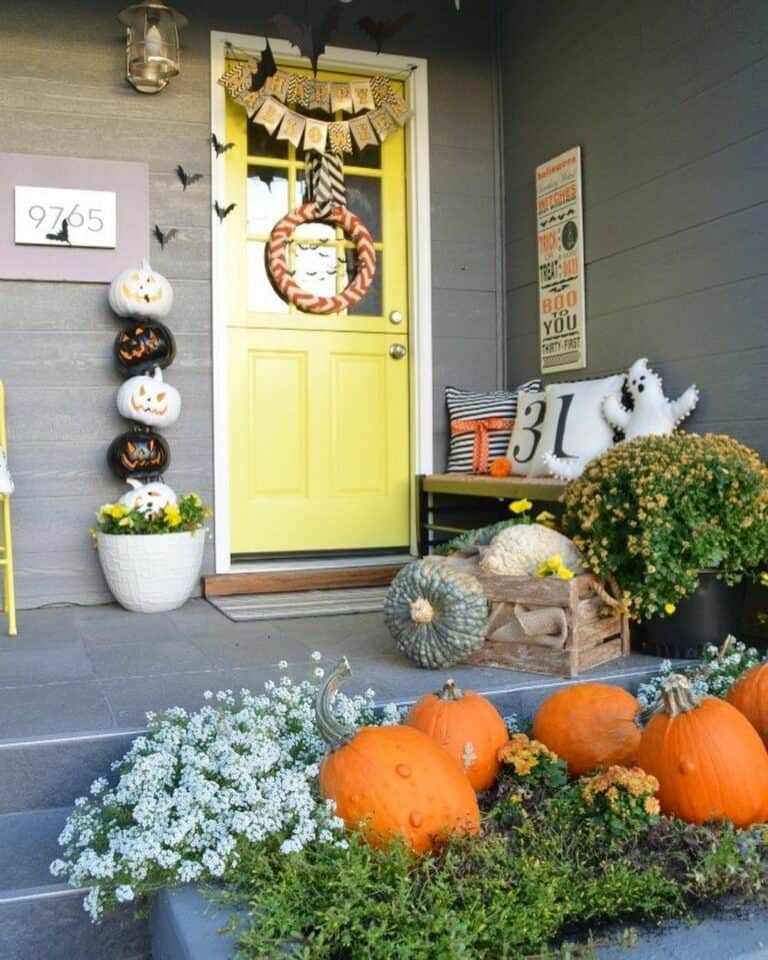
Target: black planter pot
706 617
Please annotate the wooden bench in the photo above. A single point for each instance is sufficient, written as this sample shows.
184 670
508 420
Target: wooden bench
451 503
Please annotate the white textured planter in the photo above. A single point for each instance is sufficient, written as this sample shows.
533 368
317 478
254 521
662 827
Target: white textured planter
153 572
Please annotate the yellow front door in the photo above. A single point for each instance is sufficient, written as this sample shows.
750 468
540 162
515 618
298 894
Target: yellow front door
318 405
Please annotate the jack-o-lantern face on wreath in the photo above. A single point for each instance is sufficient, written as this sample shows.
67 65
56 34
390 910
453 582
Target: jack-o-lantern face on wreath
148 498
142 454
140 347
149 400
141 292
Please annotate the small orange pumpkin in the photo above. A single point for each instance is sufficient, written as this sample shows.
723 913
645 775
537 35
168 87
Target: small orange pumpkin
750 695
500 467
590 725
465 724
392 781
707 757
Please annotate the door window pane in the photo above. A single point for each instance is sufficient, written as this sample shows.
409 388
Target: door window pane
368 157
364 200
372 304
261 295
267 198
262 144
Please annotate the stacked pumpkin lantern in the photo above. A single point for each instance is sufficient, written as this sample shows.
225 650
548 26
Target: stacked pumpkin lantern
155 571
142 350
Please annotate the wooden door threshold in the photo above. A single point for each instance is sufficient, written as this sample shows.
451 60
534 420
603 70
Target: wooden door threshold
288 581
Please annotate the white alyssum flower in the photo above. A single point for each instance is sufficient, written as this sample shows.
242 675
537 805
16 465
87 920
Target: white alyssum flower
198 784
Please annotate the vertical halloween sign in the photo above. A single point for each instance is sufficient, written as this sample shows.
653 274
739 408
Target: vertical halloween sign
562 331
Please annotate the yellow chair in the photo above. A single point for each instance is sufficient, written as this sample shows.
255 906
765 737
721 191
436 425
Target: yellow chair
6 547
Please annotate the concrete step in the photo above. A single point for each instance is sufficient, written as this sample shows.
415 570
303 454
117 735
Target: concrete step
40 917
51 772
51 925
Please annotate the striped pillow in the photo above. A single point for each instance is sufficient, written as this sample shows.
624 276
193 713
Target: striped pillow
481 426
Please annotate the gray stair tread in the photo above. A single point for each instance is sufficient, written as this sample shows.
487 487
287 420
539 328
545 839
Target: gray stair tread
28 844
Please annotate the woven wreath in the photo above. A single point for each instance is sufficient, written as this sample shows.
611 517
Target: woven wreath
277 259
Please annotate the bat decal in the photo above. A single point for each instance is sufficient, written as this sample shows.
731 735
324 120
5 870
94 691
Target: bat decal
220 147
223 212
164 238
187 179
380 31
62 236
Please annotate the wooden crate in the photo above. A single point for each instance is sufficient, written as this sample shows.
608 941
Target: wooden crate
592 631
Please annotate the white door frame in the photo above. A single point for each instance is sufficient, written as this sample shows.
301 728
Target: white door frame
413 72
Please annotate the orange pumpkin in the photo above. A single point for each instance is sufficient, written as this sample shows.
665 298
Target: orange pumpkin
590 725
500 467
707 757
392 781
750 695
465 724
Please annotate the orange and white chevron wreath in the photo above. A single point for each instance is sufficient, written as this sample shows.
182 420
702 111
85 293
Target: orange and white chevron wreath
481 429
277 260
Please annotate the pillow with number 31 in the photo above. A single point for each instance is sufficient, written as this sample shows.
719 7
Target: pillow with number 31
556 433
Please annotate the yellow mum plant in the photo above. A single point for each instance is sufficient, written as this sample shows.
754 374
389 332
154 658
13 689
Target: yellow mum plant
655 511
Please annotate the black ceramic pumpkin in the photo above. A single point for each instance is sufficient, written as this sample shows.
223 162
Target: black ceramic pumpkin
140 347
142 454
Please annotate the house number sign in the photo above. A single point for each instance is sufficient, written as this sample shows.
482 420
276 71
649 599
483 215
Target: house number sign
562 332
59 217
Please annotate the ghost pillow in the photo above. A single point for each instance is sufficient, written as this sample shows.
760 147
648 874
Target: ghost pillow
524 444
574 429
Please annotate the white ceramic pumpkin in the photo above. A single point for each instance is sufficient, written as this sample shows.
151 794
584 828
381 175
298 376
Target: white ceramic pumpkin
149 400
141 292
147 498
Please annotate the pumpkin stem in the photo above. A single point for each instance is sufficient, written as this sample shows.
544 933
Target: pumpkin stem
450 691
677 696
329 728
422 610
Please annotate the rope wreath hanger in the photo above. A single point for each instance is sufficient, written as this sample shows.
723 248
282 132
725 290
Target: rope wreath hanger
277 260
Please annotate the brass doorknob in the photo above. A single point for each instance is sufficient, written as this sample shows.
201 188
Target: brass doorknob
397 351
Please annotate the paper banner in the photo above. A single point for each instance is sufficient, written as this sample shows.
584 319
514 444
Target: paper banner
277 86
252 102
315 135
341 97
237 79
398 111
362 95
382 123
363 134
339 137
381 90
270 114
292 128
321 98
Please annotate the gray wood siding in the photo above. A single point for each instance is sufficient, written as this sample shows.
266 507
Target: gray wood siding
669 102
62 92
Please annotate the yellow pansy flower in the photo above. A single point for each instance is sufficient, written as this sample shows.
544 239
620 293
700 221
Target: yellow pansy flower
520 506
669 608
546 518
172 515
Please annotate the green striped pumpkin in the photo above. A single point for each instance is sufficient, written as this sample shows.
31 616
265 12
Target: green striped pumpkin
436 612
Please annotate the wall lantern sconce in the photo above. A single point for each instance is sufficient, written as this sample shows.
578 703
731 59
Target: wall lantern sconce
152 44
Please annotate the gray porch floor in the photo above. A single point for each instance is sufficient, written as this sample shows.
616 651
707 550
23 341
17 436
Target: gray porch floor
76 670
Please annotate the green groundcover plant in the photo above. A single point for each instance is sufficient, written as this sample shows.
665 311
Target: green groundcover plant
655 511
557 870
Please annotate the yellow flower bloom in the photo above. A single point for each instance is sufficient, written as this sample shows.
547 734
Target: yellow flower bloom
546 519
114 510
651 806
125 522
669 608
554 567
172 515
520 506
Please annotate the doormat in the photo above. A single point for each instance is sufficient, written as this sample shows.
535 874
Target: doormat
306 603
